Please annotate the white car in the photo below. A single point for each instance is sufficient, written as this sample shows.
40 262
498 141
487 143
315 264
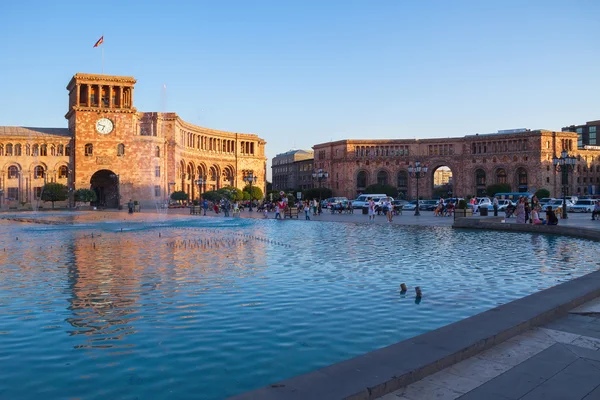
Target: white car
363 199
583 205
502 204
411 206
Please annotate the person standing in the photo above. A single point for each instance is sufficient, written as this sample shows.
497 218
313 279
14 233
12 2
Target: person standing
226 208
306 211
520 211
205 206
596 210
495 204
130 206
371 205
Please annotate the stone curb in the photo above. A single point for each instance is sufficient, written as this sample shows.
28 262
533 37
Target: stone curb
488 224
383 371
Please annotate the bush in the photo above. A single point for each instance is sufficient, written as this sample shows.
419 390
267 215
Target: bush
256 194
462 204
498 188
313 193
179 196
540 194
85 195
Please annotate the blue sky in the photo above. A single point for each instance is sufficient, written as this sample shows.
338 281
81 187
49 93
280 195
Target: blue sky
299 73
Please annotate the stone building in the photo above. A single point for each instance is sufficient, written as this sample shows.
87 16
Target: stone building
522 159
121 153
289 169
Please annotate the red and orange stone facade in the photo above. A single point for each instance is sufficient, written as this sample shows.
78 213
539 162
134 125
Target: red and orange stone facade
522 159
117 151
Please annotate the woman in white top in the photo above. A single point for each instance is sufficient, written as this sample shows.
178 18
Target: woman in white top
371 209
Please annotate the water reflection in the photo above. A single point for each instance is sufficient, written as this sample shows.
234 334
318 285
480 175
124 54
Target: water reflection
187 303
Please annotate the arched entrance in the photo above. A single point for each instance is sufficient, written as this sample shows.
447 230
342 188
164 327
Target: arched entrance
442 182
106 185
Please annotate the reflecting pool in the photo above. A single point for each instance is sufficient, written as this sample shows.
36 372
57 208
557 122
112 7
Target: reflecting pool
99 306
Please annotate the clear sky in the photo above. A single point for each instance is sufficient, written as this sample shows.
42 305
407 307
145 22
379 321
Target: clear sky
299 73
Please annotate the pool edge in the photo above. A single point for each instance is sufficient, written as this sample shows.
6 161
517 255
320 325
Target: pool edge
385 370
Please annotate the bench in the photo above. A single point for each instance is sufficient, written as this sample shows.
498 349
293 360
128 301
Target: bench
290 213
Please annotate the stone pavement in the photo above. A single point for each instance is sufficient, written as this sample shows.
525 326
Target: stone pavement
560 360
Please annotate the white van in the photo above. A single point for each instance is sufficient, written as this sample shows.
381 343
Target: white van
363 199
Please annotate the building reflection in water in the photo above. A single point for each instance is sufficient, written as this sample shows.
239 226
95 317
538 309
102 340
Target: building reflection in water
123 282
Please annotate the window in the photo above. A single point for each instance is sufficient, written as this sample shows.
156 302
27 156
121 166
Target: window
157 171
157 152
89 149
13 172
1 150
68 150
13 193
35 150
38 172
382 178
157 191
402 179
121 150
44 150
52 150
63 171
500 175
9 149
61 150
361 180
480 177
592 136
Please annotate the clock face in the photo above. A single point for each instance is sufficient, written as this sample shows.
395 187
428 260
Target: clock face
104 126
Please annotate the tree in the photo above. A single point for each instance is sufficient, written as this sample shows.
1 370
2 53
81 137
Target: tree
85 195
256 193
498 188
231 193
213 195
179 196
315 193
54 192
541 193
379 189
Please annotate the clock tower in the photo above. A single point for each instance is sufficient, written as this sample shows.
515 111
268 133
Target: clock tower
104 123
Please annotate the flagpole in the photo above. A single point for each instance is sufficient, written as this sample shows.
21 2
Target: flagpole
102 53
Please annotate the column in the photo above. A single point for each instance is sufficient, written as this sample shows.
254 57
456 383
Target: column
110 90
89 95
131 98
77 88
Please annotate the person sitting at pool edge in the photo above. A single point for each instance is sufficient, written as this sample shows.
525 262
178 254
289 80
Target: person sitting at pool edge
551 218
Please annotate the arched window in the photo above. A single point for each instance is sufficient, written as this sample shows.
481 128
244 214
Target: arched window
61 150
522 177
1 149
44 150
9 149
361 180
89 149
480 177
38 172
382 178
157 151
27 149
63 171
52 150
402 179
67 150
35 150
13 172
17 149
120 149
500 175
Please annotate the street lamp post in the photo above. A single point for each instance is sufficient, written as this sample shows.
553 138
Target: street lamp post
200 181
320 176
416 172
250 179
564 164
116 176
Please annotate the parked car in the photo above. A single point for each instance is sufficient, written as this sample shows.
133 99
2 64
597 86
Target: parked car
362 200
410 206
502 204
583 205
333 201
428 205
555 204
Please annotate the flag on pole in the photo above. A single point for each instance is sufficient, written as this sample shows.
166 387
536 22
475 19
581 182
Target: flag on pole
100 41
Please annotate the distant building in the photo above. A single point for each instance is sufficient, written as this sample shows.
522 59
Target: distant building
521 158
292 170
586 134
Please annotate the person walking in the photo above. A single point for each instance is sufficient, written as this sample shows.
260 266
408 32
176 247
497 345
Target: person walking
307 211
371 205
205 206
596 210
